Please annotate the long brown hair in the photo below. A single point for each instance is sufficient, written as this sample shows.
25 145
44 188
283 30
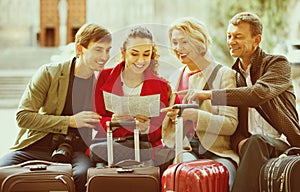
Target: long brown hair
143 32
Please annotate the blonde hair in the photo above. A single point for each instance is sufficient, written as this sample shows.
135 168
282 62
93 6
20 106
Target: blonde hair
195 31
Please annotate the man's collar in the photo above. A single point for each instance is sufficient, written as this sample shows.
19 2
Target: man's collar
254 61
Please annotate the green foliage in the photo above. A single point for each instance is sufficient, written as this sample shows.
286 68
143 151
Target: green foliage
273 13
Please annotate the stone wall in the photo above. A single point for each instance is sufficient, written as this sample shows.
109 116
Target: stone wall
24 15
19 22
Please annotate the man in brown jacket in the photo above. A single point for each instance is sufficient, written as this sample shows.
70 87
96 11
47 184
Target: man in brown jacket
268 120
57 107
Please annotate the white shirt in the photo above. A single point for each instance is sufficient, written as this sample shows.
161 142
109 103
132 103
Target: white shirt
131 91
256 123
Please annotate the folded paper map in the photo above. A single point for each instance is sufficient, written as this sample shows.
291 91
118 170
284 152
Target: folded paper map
133 104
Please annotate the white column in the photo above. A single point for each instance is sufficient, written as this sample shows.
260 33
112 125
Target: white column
63 14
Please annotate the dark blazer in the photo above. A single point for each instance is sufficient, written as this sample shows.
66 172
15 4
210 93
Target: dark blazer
109 80
272 95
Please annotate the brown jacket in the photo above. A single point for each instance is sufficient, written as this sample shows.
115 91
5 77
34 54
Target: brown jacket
272 95
42 103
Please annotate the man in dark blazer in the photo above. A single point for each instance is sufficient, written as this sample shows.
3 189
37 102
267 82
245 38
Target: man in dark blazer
268 120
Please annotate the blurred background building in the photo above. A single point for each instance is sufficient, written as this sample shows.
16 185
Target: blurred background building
34 32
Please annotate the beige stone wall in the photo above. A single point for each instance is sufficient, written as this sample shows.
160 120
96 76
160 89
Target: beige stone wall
19 12
19 22
113 14
121 13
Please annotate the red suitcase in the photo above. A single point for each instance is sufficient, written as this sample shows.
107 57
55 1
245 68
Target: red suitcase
128 178
39 176
202 175
196 176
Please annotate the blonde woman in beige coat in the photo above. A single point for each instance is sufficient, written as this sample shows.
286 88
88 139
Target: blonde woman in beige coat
213 125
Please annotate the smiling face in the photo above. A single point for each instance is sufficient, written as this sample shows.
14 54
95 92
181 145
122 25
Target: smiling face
240 41
183 48
138 54
96 55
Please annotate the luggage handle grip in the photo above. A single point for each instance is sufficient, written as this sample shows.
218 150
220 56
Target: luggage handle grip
125 170
128 163
111 124
38 167
292 149
33 162
181 107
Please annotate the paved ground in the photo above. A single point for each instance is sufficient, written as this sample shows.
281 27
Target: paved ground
8 129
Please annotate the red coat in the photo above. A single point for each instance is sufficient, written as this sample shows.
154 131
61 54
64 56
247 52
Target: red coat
109 80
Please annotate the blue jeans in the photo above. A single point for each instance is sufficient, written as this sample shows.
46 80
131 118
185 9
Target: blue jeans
231 167
80 163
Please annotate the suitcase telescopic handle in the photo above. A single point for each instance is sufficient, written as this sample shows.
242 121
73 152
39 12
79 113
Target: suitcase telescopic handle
111 124
179 129
181 107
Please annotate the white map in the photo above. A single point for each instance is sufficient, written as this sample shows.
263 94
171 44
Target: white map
133 104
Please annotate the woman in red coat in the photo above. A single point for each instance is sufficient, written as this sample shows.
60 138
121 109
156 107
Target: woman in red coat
135 75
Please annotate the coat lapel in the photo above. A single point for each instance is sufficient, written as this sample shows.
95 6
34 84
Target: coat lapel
256 62
62 87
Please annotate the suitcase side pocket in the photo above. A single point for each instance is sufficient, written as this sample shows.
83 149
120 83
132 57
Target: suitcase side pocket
37 181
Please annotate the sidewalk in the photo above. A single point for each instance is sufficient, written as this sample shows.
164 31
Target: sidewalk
8 129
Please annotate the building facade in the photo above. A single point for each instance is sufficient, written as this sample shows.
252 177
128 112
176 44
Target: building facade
60 20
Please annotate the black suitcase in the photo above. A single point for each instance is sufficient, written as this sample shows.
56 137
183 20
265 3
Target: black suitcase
130 176
281 174
37 176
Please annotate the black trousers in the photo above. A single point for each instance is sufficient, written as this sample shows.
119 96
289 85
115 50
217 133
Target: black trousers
254 153
80 163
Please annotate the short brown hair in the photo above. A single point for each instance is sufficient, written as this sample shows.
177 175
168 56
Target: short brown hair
251 18
91 32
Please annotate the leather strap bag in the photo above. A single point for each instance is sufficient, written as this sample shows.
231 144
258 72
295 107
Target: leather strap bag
281 173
